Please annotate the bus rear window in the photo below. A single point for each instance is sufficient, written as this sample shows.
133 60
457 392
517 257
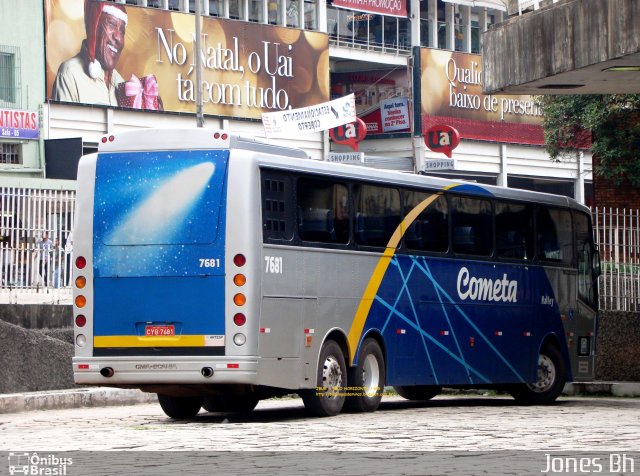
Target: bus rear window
159 198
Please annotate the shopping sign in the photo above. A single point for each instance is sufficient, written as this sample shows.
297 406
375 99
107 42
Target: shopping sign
349 134
442 138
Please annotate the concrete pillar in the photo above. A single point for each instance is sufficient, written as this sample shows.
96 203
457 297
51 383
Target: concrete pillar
433 23
451 31
321 12
415 22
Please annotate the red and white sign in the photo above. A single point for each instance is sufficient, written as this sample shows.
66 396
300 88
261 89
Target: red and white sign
349 134
442 138
396 8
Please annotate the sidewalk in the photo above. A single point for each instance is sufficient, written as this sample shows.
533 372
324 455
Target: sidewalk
104 396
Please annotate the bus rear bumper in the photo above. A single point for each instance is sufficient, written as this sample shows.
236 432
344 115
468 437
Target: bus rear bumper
130 372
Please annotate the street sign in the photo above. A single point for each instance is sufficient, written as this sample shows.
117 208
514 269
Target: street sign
442 138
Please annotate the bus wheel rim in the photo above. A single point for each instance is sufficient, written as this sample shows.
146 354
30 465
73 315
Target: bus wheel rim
370 375
331 377
546 375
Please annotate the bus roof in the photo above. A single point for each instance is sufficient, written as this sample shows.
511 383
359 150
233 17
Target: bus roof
294 159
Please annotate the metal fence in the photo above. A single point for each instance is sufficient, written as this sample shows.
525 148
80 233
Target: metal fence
28 262
30 266
617 235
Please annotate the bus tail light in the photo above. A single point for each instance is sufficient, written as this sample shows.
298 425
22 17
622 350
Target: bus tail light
81 301
239 260
81 321
239 299
239 280
81 282
81 262
239 319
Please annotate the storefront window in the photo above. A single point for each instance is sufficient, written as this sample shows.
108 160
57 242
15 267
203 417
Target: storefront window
234 9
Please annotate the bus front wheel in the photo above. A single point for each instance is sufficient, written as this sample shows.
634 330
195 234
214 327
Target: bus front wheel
367 379
418 392
327 399
180 407
550 379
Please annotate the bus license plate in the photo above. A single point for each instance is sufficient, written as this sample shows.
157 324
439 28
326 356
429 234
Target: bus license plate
160 330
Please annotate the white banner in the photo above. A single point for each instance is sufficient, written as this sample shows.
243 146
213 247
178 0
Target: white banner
394 114
346 157
305 120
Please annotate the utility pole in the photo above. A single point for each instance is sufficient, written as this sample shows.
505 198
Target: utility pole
199 115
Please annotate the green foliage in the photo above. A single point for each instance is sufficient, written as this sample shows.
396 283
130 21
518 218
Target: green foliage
610 122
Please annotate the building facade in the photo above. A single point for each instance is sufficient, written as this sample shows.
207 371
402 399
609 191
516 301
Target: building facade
412 66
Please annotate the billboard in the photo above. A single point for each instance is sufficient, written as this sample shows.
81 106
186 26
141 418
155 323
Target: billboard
248 68
451 93
397 8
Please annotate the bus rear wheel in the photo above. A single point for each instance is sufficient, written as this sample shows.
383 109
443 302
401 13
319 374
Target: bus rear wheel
230 403
367 378
180 407
327 399
418 392
550 379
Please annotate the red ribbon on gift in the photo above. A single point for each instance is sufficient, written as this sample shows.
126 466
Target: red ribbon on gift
143 92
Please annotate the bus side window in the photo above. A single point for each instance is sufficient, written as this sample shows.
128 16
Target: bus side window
430 230
323 211
276 201
377 216
586 274
472 226
514 231
554 235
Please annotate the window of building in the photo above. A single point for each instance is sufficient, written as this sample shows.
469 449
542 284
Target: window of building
323 211
472 226
554 235
256 11
514 231
235 9
9 76
377 214
430 230
10 153
310 14
293 13
273 8
215 8
192 6
153 3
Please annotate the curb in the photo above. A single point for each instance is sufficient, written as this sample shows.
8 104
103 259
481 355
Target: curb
104 396
72 398
614 389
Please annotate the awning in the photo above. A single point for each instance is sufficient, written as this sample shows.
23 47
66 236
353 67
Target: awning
493 4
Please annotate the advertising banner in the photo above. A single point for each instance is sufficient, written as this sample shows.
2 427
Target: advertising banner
451 87
319 117
248 68
396 8
18 124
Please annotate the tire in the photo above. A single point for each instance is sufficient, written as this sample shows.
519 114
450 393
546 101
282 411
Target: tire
327 399
551 379
230 403
418 392
180 407
368 379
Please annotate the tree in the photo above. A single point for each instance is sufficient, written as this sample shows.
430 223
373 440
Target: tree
611 123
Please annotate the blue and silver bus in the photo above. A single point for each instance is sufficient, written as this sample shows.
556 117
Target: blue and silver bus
216 271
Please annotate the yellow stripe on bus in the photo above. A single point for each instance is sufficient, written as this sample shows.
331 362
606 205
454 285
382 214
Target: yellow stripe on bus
149 341
381 268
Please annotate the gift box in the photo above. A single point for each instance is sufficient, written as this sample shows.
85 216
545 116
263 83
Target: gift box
139 93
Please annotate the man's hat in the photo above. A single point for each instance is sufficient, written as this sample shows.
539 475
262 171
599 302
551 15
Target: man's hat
93 10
